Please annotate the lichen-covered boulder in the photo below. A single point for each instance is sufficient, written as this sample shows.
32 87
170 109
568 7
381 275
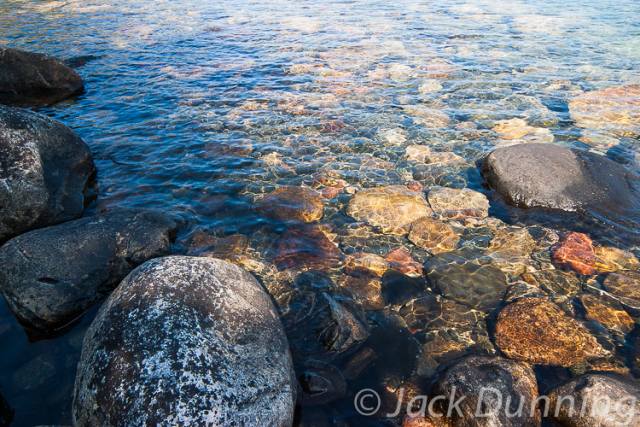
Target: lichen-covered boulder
595 400
535 330
52 275
296 204
552 176
391 208
186 341
45 169
28 76
483 392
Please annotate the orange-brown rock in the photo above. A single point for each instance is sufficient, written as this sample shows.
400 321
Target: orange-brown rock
608 313
433 236
366 290
537 331
361 264
400 259
625 286
453 203
392 208
613 259
201 241
305 247
613 108
229 248
575 250
287 203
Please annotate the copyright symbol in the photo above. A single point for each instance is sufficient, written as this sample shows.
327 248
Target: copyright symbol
367 402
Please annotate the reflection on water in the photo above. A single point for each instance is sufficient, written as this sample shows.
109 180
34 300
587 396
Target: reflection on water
201 106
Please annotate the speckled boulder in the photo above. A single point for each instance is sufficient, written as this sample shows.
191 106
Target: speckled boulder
590 394
186 341
492 387
552 176
50 276
535 330
298 204
391 208
27 77
45 169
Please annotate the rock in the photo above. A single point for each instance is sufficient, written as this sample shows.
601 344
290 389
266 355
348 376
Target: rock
418 153
551 176
298 204
52 275
520 290
37 374
362 264
470 280
230 248
613 259
6 412
607 313
535 330
428 117
510 249
400 260
625 286
26 77
575 251
554 282
432 312
433 236
518 131
45 169
366 290
452 203
186 340
200 242
320 383
305 247
614 108
598 400
492 387
391 208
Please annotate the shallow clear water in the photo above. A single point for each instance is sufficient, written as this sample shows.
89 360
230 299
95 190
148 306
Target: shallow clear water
198 106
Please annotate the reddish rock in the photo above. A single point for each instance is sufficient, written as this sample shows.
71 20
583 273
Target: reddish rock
575 250
305 247
400 259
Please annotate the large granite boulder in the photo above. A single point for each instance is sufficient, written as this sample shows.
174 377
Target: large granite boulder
50 276
45 169
27 77
595 400
186 341
551 176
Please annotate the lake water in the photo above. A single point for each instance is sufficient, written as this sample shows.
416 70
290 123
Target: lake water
197 107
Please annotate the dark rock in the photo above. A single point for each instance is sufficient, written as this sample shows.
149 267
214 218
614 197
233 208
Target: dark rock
551 176
188 341
305 247
467 278
27 76
492 387
44 170
6 413
50 276
597 400
320 383
36 374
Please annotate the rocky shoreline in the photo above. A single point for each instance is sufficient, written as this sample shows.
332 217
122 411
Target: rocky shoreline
244 328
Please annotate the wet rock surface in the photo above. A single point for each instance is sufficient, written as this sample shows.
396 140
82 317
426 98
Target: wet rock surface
297 204
305 247
575 251
391 208
186 340
50 276
468 377
551 176
616 107
433 236
467 278
625 286
598 400
45 169
607 313
452 203
27 77
539 332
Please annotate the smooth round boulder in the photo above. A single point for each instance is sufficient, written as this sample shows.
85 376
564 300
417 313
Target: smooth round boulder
27 77
45 171
595 400
52 275
556 177
186 341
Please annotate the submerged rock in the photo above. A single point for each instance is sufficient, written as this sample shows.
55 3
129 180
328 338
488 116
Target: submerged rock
492 392
305 247
433 236
614 108
554 282
391 208
551 176
468 279
607 313
625 286
27 77
400 260
320 383
186 340
575 250
453 203
537 331
595 400
6 412
518 131
50 276
45 169
298 204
